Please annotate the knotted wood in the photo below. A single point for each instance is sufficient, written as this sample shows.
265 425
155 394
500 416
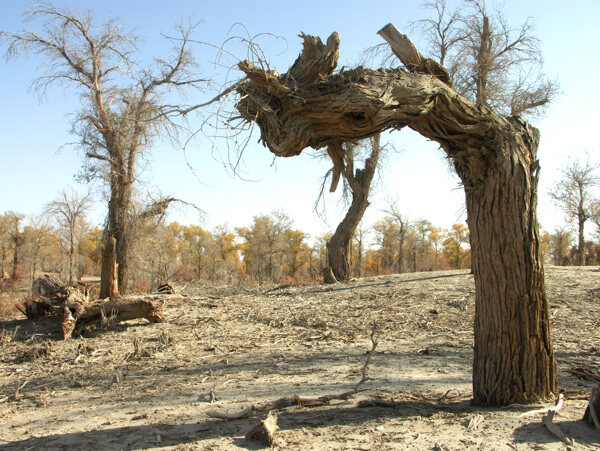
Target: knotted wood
495 158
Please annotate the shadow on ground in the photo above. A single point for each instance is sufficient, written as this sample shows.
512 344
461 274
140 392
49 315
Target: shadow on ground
135 437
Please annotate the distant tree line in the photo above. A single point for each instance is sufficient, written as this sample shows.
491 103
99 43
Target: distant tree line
269 250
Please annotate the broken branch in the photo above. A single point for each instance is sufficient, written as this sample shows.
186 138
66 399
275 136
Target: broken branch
296 400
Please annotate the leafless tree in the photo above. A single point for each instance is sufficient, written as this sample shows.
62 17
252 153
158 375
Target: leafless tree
357 185
560 244
442 32
124 106
5 244
402 228
37 239
69 209
489 61
573 194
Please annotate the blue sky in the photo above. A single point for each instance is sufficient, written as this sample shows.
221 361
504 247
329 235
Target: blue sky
33 132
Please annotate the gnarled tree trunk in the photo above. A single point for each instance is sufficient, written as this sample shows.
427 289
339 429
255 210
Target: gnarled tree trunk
512 321
494 156
338 247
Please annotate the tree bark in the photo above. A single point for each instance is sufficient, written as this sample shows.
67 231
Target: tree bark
338 246
513 356
580 239
117 227
494 156
108 278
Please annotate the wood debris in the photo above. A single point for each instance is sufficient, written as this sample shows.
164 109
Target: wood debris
296 400
554 429
265 430
78 314
474 422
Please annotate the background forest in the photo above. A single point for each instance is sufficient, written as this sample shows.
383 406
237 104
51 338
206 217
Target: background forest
269 250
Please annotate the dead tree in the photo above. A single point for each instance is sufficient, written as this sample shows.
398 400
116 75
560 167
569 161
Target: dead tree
78 314
495 157
124 106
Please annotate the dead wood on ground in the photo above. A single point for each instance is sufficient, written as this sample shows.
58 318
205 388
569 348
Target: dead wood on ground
265 430
296 400
78 314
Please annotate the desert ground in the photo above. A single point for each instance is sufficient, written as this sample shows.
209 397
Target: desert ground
138 385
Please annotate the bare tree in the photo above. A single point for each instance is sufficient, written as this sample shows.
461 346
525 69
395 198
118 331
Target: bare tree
125 106
573 195
494 156
5 244
490 62
37 237
442 32
16 238
560 244
402 226
69 210
357 182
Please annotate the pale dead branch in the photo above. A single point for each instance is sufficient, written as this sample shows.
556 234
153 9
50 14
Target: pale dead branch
296 400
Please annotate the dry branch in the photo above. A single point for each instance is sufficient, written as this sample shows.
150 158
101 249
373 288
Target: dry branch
556 408
555 430
547 420
265 430
296 400
328 276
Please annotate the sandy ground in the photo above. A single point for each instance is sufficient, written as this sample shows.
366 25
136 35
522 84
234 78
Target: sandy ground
149 386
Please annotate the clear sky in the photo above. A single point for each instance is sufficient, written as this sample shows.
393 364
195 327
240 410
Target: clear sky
36 165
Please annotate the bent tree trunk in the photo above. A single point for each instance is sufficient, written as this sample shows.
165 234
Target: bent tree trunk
512 321
338 247
494 156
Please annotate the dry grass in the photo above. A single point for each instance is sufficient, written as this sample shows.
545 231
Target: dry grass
139 385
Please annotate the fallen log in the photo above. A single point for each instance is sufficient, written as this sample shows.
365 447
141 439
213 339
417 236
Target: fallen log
79 315
49 294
